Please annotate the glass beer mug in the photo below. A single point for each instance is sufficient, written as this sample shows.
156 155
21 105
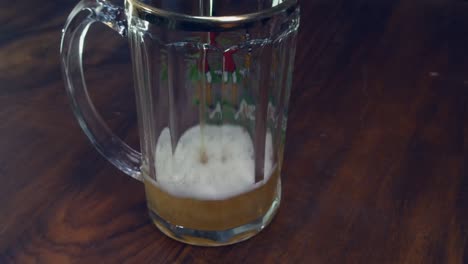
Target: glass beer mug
212 82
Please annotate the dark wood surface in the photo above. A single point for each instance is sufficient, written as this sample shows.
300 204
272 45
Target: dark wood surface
375 164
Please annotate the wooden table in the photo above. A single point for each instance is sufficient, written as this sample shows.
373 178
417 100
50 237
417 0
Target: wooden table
375 164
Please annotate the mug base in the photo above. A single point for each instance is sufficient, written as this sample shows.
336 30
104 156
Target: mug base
218 238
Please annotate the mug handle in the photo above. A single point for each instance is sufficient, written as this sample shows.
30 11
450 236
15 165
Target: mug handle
104 140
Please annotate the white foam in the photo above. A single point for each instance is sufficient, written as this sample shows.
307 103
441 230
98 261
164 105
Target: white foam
228 171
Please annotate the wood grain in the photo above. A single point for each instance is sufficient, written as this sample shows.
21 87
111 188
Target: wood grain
375 163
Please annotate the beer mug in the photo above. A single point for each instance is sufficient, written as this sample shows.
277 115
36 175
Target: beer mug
212 82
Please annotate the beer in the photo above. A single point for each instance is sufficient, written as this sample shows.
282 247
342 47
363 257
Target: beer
209 184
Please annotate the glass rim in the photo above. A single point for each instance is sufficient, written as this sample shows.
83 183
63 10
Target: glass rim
232 21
